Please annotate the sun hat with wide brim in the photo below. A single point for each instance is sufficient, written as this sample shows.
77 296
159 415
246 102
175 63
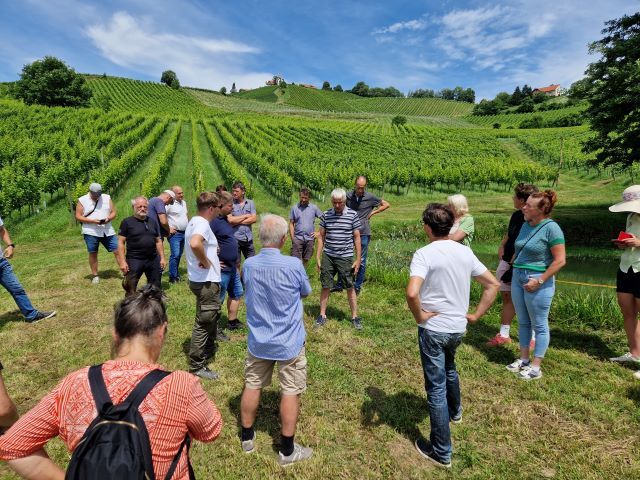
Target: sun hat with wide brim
630 200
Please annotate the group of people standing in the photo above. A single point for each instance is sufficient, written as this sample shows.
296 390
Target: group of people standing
213 241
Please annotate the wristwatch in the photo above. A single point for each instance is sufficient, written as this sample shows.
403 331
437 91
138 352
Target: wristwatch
12 245
540 281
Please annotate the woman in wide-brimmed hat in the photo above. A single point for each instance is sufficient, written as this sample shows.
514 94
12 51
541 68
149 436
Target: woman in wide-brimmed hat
628 280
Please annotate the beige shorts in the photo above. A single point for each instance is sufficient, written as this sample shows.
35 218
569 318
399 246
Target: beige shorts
503 267
292 374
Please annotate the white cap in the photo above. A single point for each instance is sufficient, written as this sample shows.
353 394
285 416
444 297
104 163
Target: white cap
95 188
171 193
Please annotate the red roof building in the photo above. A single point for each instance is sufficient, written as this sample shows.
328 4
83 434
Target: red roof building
551 90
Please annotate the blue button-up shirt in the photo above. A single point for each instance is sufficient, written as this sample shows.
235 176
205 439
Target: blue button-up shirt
243 232
274 287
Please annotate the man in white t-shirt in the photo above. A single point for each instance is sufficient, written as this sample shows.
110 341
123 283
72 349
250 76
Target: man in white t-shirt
203 269
95 211
178 220
438 297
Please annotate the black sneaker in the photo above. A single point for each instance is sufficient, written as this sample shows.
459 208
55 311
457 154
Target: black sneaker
206 374
234 325
357 323
336 290
320 321
357 292
425 449
221 337
42 316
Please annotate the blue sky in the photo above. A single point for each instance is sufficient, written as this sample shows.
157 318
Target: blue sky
488 46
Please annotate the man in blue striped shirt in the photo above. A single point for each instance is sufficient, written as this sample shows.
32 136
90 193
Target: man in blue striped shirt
275 285
339 236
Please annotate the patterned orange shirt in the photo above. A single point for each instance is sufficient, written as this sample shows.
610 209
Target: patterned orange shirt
175 406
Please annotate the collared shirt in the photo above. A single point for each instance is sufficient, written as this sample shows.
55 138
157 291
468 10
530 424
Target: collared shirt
243 232
304 219
275 285
363 206
177 215
631 256
338 240
156 207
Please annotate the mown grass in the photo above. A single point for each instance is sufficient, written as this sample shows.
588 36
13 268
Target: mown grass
366 403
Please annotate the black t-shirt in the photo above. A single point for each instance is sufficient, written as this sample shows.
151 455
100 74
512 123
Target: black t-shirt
227 242
515 224
141 238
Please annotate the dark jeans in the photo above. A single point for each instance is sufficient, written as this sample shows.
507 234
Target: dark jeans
364 242
176 245
150 267
205 327
437 352
9 281
245 247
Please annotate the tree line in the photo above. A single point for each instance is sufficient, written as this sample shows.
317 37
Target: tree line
363 90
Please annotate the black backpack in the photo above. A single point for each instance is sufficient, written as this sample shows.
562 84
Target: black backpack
116 443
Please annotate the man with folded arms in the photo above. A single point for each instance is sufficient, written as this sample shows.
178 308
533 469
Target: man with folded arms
275 285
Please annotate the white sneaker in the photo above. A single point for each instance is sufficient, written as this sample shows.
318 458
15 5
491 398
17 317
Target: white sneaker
530 374
299 453
627 357
518 366
95 280
636 374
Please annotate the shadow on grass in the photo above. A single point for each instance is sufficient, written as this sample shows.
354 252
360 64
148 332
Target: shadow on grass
111 273
633 393
402 411
590 343
13 316
332 312
268 417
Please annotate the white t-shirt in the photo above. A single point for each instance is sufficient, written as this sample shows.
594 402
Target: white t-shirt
446 267
200 226
177 215
1 222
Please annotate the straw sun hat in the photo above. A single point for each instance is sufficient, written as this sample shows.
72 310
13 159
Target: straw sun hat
630 200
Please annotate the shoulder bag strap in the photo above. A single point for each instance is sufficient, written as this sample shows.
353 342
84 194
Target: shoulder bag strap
535 232
145 385
98 387
174 464
95 205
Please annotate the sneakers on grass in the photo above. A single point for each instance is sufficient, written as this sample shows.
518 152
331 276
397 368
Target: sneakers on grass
498 340
518 366
425 449
320 321
457 418
95 280
636 374
249 446
357 323
41 316
299 453
627 357
531 374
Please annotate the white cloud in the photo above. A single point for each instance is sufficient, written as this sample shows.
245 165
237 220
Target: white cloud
198 61
409 25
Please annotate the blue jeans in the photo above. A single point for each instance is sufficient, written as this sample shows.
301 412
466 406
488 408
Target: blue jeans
176 245
437 352
230 282
364 242
532 309
9 281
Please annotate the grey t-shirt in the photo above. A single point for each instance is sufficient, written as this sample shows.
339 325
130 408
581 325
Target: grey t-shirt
243 233
363 206
304 219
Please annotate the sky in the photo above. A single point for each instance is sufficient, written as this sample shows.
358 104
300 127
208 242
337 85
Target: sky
408 44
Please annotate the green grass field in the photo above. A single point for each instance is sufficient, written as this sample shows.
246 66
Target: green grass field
365 404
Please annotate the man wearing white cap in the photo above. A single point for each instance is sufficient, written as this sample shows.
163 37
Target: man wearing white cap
95 211
158 213
628 278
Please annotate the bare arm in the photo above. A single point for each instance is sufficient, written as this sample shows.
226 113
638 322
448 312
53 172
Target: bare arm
381 208
164 221
197 246
160 250
490 287
81 218
502 244
113 213
122 261
8 412
559 261
413 300
236 219
6 239
321 236
38 466
251 219
458 235
358 244
292 228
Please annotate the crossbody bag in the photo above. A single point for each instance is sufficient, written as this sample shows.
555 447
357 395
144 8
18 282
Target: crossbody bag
508 275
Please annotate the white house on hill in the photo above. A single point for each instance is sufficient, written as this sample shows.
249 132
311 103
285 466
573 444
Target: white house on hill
551 90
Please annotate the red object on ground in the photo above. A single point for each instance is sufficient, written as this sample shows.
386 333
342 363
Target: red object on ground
624 235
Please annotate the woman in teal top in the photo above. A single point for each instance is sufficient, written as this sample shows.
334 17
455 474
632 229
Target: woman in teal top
539 255
628 278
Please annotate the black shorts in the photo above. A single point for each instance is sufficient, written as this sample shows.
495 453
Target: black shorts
628 282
